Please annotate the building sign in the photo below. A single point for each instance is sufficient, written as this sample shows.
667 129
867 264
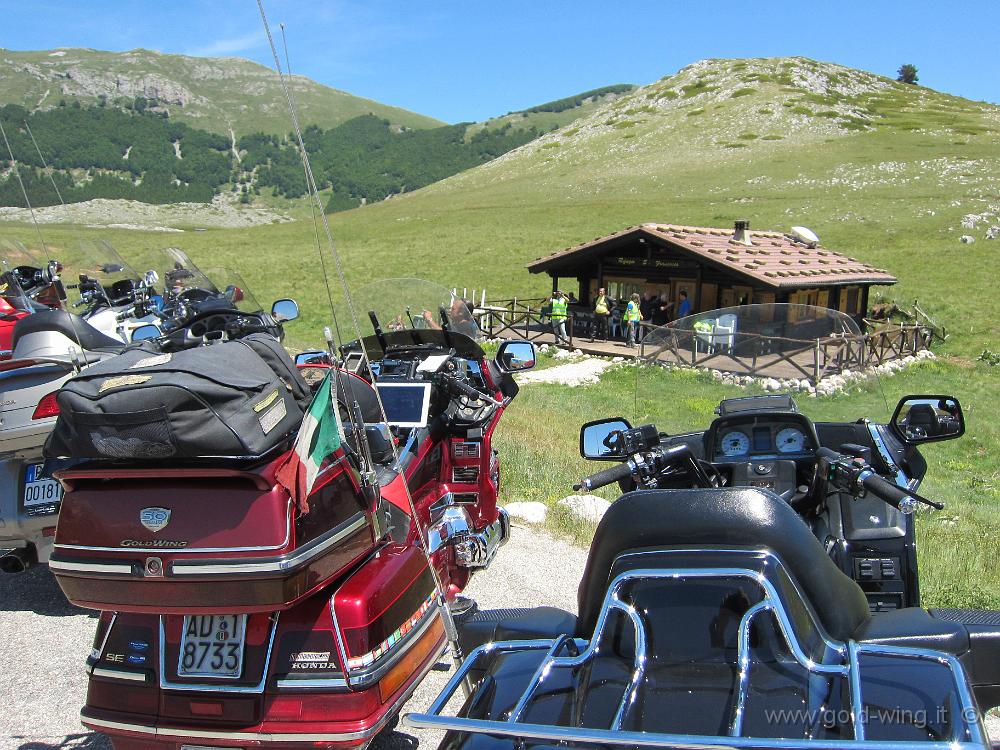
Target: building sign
639 262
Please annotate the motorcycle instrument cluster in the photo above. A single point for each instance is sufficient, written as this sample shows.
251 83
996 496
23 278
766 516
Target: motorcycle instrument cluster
759 436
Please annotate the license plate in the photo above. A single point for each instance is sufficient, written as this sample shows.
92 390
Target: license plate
212 646
38 490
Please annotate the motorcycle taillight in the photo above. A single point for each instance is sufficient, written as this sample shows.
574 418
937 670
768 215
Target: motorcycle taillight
47 407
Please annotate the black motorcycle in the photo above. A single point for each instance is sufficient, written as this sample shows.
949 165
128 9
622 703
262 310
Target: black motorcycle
755 586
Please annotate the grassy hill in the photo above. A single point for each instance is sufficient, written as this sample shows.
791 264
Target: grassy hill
888 173
214 94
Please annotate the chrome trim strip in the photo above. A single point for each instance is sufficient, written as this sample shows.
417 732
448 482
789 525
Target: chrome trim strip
199 550
237 736
97 653
299 557
118 674
320 682
165 684
95 567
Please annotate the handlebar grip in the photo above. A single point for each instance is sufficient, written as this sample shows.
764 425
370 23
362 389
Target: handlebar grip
886 490
464 388
602 478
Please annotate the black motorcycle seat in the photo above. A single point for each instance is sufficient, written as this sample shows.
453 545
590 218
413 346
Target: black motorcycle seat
69 325
742 517
914 627
489 625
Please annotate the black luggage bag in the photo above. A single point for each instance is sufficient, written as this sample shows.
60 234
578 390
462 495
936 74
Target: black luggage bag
238 398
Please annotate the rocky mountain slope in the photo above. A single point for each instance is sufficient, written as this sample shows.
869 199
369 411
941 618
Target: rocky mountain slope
215 94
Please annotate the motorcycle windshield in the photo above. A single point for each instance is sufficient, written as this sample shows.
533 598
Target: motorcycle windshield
20 274
773 341
95 273
177 273
411 312
234 288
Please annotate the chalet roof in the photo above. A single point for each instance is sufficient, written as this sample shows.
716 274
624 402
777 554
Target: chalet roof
773 259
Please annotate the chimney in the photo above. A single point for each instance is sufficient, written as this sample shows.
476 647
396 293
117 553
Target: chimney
741 232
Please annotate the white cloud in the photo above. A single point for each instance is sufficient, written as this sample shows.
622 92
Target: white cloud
230 46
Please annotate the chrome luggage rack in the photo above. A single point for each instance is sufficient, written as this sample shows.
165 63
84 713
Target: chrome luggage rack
843 659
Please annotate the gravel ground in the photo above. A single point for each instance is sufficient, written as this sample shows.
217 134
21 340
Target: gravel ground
45 641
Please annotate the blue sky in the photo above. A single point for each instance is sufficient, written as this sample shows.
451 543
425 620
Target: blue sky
474 59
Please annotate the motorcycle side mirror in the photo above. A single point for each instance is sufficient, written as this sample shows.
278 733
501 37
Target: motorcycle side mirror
927 419
284 310
603 439
51 271
316 357
515 356
150 278
145 332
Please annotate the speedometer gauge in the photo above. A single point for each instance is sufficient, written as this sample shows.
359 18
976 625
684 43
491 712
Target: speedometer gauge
791 440
735 443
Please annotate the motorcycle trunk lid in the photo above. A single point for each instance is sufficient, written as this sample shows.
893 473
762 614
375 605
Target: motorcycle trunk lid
203 540
300 682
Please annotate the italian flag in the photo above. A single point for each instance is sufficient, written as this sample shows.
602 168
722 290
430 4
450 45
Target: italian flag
319 437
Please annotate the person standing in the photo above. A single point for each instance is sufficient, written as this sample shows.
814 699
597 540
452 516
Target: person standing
602 312
632 317
560 311
684 306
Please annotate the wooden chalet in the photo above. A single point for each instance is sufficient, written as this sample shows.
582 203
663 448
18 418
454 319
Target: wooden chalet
715 267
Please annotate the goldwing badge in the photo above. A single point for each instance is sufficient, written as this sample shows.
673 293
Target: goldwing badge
154 519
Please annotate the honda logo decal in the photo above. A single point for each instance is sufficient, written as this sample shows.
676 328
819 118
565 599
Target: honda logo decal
154 519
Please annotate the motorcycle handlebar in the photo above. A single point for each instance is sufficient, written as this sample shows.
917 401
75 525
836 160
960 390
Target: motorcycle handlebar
602 478
887 491
465 389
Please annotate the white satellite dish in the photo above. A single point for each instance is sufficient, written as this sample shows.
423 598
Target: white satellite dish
805 236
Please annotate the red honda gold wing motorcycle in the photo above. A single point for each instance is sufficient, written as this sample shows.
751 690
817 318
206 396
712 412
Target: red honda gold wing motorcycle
289 598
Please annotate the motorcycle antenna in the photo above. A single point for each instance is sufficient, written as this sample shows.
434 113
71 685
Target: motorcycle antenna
45 165
378 330
451 631
445 326
24 192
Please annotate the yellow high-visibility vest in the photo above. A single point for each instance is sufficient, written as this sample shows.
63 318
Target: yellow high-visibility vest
559 308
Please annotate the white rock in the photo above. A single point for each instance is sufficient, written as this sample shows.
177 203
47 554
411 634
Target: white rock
572 373
717 375
529 512
968 239
771 385
586 507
